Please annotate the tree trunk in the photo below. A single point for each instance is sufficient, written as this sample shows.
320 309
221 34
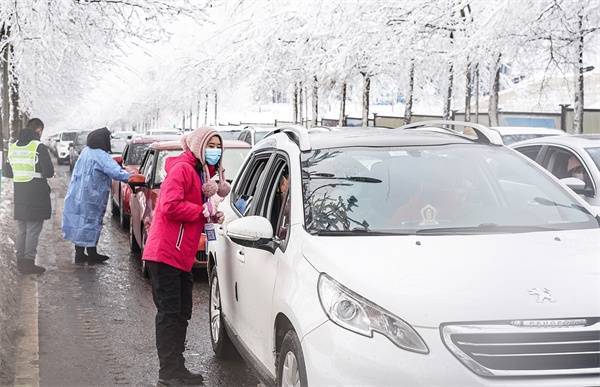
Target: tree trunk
15 103
411 89
182 121
495 89
191 117
198 111
315 102
578 102
468 92
365 99
295 103
477 92
5 117
300 103
448 98
343 106
205 109
216 111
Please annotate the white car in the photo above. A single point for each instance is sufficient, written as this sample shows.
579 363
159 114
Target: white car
252 135
573 159
62 144
512 134
412 256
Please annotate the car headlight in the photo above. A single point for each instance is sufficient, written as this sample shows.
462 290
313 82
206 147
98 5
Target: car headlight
357 314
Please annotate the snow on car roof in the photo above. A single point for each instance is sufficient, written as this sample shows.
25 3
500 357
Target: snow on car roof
176 145
583 140
508 130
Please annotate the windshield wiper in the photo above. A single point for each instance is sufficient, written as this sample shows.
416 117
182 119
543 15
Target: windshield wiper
548 202
360 179
356 232
482 228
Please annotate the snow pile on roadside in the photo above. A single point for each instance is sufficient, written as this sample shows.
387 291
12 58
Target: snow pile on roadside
8 286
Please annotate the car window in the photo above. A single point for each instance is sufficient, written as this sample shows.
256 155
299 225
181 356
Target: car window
530 151
68 136
259 136
563 163
230 134
161 172
148 165
136 153
246 188
275 199
513 138
595 155
456 188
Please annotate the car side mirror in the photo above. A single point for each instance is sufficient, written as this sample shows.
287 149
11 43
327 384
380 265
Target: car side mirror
577 185
254 232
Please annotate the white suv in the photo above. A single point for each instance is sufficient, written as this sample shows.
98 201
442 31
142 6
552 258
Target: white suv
412 256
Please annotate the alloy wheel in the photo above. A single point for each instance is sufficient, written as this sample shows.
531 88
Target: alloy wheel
215 310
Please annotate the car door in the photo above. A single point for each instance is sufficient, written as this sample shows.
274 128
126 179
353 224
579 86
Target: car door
230 258
259 268
139 196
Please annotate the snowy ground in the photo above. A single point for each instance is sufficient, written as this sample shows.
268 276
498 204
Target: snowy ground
8 285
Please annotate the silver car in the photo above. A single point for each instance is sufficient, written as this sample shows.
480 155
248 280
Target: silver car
573 159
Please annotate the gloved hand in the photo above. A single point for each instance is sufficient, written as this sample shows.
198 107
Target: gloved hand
136 178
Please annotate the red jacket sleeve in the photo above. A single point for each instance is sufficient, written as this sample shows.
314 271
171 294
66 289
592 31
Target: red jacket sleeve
172 196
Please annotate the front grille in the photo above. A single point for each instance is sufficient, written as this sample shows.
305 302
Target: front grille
538 348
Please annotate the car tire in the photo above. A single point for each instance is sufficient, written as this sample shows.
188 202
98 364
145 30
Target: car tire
133 245
221 344
291 370
123 218
114 209
145 272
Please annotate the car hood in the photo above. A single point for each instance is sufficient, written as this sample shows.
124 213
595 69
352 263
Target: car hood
429 280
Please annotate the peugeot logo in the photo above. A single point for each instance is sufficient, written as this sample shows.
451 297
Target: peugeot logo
543 295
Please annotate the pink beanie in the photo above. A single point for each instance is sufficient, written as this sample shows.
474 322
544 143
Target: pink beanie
196 142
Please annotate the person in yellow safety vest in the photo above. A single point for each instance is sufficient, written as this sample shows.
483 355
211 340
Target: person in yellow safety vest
29 165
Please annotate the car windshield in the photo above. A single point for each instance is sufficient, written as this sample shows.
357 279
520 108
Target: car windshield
230 134
81 139
595 155
135 153
459 188
232 161
68 136
512 138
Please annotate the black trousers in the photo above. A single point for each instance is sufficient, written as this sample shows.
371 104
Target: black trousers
172 293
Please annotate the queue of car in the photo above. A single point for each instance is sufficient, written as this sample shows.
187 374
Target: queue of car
362 256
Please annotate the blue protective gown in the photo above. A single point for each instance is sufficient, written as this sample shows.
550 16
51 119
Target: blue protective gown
87 197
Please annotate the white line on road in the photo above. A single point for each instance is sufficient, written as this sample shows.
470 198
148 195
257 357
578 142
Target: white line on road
27 371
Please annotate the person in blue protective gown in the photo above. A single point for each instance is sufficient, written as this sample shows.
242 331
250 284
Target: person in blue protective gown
87 196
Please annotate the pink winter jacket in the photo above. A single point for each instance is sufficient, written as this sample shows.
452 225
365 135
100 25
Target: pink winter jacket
178 221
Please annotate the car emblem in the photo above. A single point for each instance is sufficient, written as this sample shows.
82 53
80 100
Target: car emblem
543 295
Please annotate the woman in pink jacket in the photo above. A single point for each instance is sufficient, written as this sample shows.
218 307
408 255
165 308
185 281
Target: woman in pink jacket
170 251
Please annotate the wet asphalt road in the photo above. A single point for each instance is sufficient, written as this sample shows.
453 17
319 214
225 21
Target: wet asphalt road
96 323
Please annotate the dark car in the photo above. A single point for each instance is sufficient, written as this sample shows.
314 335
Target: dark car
76 147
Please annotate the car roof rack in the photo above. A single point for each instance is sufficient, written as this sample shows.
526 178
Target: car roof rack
484 134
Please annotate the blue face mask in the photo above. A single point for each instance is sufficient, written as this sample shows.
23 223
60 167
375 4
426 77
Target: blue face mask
212 155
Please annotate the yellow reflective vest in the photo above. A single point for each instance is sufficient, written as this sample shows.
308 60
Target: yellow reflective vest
23 160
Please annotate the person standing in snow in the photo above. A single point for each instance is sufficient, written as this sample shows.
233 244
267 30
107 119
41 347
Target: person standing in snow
29 165
87 196
170 251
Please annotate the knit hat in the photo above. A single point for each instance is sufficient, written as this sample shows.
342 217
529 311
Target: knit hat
196 142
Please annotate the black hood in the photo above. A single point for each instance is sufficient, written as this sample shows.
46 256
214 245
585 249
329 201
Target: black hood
26 136
99 139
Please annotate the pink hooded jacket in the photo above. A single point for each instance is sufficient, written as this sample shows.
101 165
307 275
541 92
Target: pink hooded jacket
178 220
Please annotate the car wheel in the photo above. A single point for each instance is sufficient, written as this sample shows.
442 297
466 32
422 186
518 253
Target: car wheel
219 339
114 209
145 272
123 218
291 370
133 245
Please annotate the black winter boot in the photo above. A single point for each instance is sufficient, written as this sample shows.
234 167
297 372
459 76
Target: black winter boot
80 257
28 266
94 257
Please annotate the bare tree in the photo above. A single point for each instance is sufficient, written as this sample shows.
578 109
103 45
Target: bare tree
494 90
366 98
